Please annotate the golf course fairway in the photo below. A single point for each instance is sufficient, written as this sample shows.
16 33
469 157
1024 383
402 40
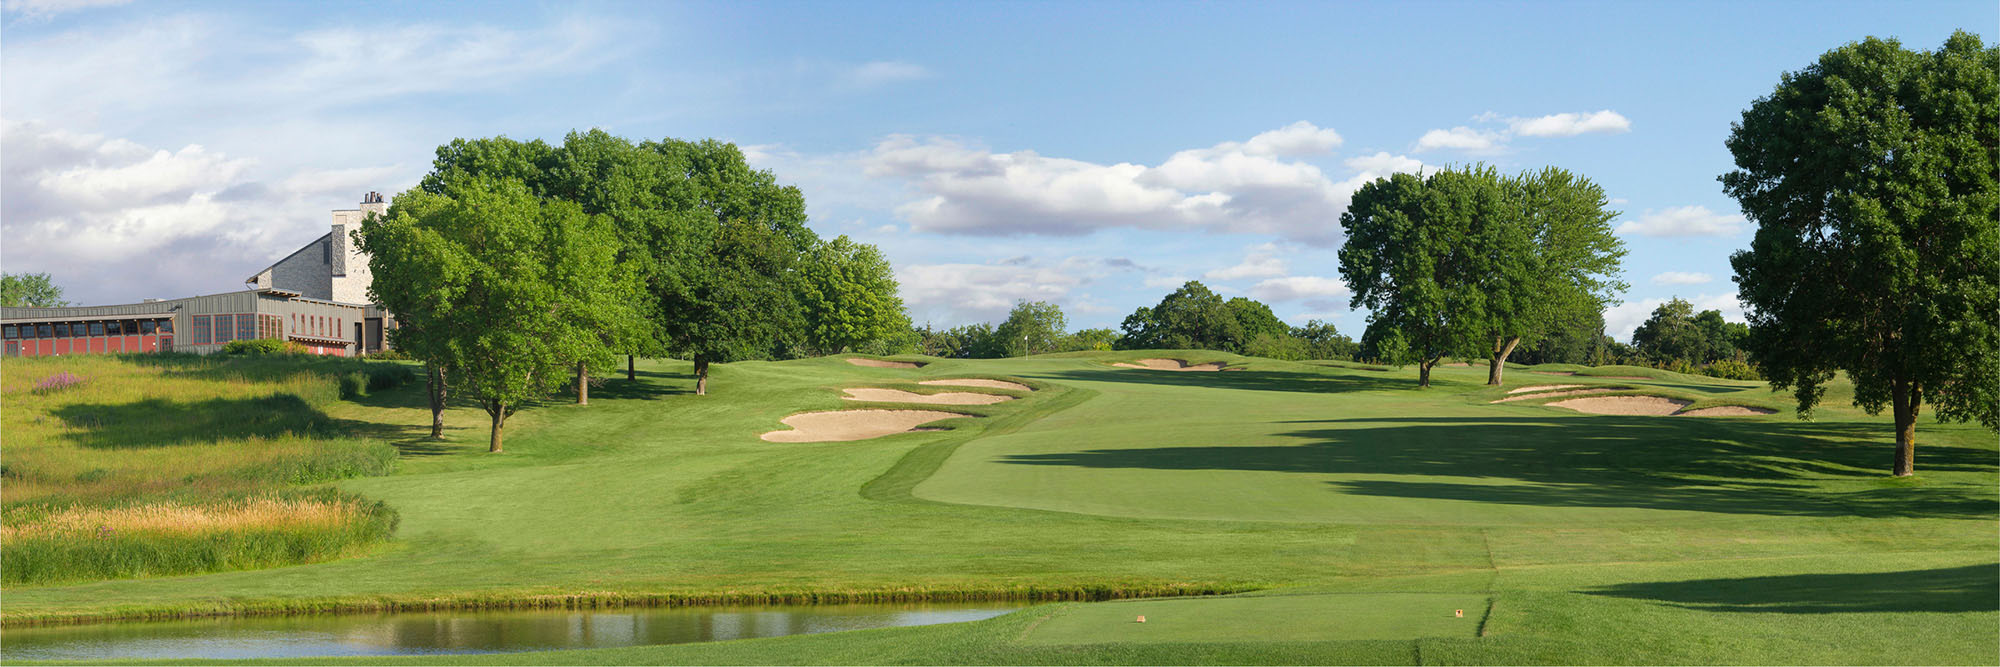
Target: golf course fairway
1283 513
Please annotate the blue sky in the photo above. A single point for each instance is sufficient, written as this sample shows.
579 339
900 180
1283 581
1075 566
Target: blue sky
1090 154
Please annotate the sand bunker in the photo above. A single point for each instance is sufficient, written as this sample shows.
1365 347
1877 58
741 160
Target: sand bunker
946 398
878 363
1624 405
976 382
1172 365
854 424
1553 394
1542 387
1728 411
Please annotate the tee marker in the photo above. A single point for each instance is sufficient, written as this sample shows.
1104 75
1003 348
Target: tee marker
1142 619
1460 613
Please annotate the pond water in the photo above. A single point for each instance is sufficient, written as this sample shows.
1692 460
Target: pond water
430 633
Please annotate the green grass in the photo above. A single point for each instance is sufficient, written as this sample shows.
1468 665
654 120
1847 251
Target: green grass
1355 505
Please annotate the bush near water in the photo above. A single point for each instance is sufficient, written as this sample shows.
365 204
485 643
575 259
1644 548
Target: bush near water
139 466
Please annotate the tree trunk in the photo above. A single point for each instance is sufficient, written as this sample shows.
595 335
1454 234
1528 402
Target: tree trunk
499 413
631 369
1424 372
582 383
437 396
1497 365
1905 401
701 375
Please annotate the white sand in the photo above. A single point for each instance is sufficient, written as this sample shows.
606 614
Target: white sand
1172 365
1625 405
1542 387
1728 411
946 398
1553 394
854 424
976 382
878 363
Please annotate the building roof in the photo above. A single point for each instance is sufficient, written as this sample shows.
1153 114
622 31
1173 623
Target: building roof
281 260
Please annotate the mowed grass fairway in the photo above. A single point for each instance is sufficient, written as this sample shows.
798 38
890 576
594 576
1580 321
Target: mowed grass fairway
1351 512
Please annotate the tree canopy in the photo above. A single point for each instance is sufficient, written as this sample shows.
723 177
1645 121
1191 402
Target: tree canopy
1873 178
1032 327
850 296
30 290
505 288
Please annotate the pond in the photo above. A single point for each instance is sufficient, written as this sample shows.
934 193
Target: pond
431 633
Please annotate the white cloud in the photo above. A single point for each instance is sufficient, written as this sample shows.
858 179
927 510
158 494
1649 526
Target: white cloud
113 220
1166 282
1462 138
1230 187
1683 221
1571 124
869 75
1260 265
1300 138
1682 278
979 292
1622 319
34 10
1320 293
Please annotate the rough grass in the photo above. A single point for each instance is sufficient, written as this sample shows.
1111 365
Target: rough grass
1342 491
176 464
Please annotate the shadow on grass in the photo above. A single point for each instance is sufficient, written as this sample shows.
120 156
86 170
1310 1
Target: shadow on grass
157 422
1249 380
1638 462
1972 588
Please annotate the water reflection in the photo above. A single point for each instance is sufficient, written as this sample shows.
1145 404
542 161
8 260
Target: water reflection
462 631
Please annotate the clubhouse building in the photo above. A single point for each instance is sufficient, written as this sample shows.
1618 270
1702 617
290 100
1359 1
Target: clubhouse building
316 297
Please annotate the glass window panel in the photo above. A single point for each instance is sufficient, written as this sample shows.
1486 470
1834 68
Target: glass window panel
167 325
11 332
62 330
96 328
48 331
200 322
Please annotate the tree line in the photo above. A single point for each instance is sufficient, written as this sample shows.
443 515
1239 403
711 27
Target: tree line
1192 317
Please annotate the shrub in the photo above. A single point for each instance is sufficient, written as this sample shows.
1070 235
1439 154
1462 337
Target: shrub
1731 369
260 346
389 355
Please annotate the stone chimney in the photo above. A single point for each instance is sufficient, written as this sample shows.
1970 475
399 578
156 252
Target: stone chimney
372 203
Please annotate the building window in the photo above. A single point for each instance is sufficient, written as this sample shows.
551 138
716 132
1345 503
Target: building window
167 326
48 331
270 326
200 329
201 322
62 329
96 328
11 332
111 328
246 326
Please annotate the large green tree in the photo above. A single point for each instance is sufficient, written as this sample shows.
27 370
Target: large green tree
1553 259
1873 178
1192 317
849 296
506 288
30 290
1416 250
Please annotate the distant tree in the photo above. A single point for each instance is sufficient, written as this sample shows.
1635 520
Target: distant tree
1724 338
1086 340
972 341
1032 327
1252 320
1578 339
1192 317
500 293
1671 333
1416 250
1323 341
850 296
1551 257
1278 346
30 290
1873 177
